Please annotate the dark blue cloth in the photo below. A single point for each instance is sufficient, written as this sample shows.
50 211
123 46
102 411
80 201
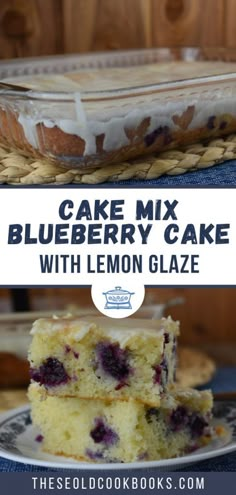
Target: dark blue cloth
223 381
219 175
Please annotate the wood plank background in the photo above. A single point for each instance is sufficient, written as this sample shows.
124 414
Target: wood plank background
41 27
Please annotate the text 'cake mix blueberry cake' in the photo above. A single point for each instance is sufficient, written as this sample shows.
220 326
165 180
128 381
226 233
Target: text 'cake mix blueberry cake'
103 390
118 431
104 358
93 117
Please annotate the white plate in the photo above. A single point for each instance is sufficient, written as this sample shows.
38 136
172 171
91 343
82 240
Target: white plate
18 443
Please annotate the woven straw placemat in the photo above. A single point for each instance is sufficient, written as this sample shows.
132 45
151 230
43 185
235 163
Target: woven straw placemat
16 168
194 367
11 398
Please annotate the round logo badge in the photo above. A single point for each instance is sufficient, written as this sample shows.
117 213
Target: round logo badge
117 297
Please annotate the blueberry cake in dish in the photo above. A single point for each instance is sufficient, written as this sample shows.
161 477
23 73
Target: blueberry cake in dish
89 118
102 358
118 431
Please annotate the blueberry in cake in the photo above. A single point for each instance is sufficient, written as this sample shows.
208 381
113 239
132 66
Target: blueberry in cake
122 431
104 391
102 358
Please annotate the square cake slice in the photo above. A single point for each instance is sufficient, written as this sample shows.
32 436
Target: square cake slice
97 357
118 431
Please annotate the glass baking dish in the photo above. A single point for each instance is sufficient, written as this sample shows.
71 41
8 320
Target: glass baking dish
113 116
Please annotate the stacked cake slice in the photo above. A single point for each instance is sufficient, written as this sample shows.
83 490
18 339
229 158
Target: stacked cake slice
103 390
